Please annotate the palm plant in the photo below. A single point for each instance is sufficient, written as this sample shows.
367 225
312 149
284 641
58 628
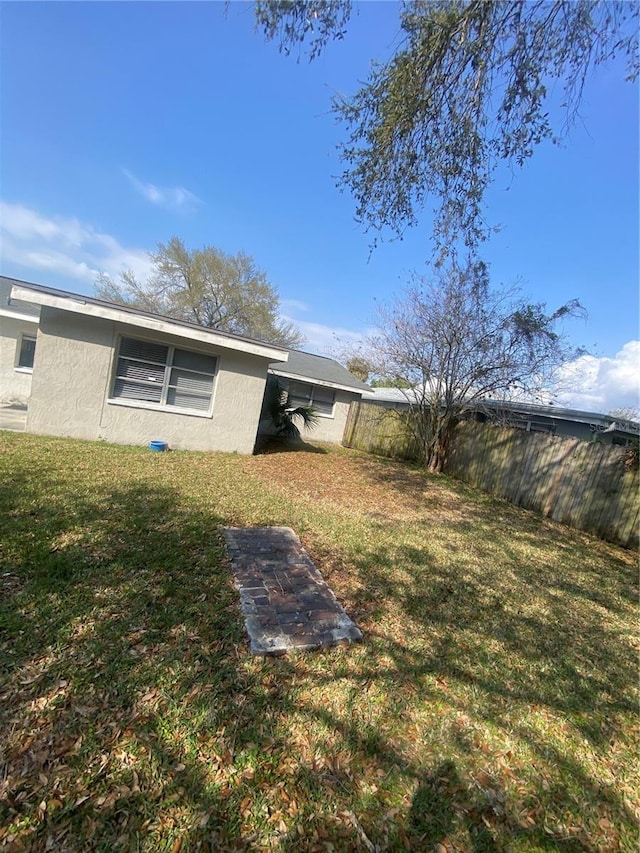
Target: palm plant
283 416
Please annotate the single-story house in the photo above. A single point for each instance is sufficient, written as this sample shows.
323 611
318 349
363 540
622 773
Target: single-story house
92 369
559 420
530 417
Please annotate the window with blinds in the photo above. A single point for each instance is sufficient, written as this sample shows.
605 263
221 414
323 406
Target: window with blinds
305 394
163 375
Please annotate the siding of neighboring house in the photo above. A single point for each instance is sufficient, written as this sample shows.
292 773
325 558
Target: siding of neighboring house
529 417
71 387
552 426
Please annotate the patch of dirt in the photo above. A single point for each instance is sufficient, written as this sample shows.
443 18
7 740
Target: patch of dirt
380 488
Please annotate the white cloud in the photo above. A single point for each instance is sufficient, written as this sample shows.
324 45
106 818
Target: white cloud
590 383
64 246
23 223
177 199
602 384
293 305
326 340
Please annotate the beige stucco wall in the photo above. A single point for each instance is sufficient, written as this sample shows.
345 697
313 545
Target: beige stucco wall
72 380
15 383
331 429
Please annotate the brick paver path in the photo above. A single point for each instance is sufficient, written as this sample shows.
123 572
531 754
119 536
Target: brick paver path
286 602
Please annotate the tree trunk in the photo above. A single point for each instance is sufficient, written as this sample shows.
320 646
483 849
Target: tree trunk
437 454
436 459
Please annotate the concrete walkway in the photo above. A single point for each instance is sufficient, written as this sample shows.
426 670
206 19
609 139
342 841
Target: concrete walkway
13 416
286 602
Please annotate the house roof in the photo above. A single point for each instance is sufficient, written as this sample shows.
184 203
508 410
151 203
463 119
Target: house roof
388 395
610 422
318 370
66 301
562 414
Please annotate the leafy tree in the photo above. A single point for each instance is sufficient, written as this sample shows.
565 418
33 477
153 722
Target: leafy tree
282 415
453 341
389 382
359 367
208 287
467 88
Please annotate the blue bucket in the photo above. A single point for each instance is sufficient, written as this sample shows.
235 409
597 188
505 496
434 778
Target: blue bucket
158 445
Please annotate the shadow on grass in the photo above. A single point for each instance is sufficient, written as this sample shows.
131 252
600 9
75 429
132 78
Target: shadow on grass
276 444
567 658
119 615
126 686
439 801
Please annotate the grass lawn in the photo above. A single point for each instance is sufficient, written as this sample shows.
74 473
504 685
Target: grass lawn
493 705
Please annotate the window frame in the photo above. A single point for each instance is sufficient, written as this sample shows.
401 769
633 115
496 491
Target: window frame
292 383
167 384
25 336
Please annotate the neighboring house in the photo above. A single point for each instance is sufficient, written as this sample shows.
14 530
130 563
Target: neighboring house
314 380
556 420
589 426
96 370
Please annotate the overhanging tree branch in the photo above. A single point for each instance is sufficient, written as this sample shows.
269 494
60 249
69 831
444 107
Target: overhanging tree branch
467 89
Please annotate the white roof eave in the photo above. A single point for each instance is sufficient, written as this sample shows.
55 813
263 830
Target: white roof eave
78 305
300 378
17 315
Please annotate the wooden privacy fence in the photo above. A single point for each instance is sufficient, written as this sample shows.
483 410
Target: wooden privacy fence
587 485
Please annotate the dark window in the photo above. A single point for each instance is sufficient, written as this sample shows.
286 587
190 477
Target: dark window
27 351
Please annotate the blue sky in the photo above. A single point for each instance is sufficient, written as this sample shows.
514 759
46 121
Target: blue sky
124 124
